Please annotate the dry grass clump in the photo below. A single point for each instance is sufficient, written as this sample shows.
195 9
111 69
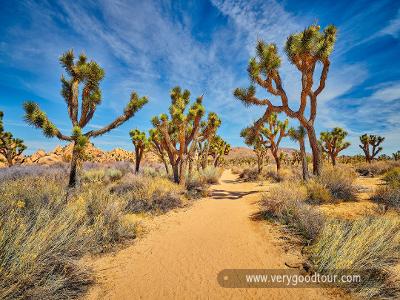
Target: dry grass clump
148 194
285 203
392 177
211 175
317 193
376 167
339 181
45 229
389 195
369 246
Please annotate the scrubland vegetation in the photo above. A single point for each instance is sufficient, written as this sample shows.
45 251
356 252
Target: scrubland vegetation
46 228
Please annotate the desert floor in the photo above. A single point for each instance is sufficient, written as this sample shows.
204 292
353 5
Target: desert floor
181 255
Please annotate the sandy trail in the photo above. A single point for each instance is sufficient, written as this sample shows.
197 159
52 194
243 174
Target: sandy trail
181 257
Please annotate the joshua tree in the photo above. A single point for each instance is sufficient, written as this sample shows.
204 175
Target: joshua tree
218 148
181 133
371 140
157 146
88 75
304 50
396 155
274 132
253 138
298 135
10 147
204 144
333 142
140 142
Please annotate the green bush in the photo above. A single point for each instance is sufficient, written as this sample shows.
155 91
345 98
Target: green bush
388 195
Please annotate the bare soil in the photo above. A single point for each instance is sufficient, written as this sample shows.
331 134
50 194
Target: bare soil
184 251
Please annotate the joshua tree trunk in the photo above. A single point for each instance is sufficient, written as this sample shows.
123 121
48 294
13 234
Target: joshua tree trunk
9 160
277 161
216 160
175 170
74 164
182 171
260 162
316 151
204 160
165 165
303 159
190 168
138 159
333 159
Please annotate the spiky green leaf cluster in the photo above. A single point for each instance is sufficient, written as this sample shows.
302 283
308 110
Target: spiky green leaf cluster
37 118
244 94
267 60
297 134
332 141
218 146
139 138
81 141
135 103
310 44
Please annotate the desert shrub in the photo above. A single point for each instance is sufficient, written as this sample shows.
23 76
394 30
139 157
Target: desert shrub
143 193
392 177
249 174
339 181
368 246
43 232
376 167
211 175
113 174
388 195
40 239
285 203
236 170
59 172
317 192
93 175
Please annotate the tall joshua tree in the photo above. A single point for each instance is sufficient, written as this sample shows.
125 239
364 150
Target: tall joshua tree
218 148
371 140
140 142
10 147
87 75
157 146
181 133
304 50
333 142
298 134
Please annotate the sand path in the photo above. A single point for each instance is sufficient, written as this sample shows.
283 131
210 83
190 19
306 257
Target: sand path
185 250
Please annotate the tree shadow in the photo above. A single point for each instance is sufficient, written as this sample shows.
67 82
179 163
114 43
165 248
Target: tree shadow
231 195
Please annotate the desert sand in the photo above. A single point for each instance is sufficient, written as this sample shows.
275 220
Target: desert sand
184 251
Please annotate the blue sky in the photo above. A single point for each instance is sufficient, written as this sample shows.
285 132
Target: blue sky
204 46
